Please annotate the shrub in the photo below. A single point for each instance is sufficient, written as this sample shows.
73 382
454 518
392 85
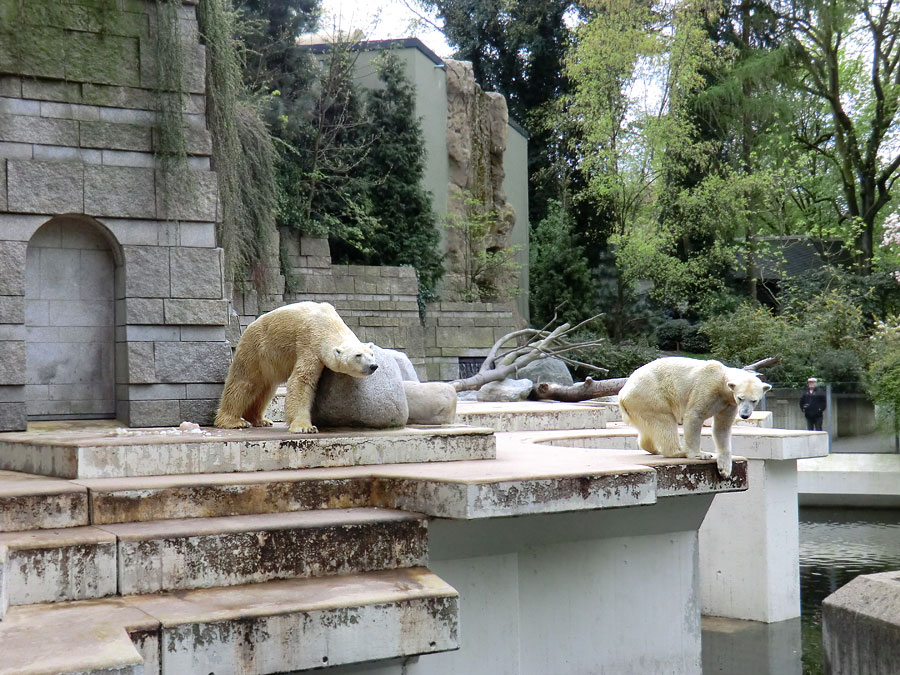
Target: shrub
620 359
670 335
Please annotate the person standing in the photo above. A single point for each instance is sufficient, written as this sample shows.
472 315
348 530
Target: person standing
813 404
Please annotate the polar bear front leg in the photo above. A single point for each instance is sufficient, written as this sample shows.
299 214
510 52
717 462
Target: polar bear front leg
693 425
301 388
722 424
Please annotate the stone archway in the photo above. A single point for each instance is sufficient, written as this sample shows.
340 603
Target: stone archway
70 273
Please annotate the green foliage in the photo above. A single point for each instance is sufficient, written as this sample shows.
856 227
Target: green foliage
559 271
171 148
488 273
243 151
884 370
819 336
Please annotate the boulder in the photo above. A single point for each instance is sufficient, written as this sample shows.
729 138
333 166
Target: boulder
407 370
374 402
505 390
550 370
467 395
430 402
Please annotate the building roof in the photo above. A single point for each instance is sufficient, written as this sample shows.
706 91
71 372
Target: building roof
792 255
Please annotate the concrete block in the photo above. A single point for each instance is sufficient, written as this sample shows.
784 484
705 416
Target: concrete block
124 192
192 361
12 268
128 158
18 106
119 97
146 272
141 311
128 116
12 363
56 153
116 136
153 392
17 150
147 333
195 312
10 331
131 232
153 413
58 565
50 90
198 235
192 197
11 86
196 273
214 333
13 416
199 411
140 362
861 626
71 111
21 128
45 187
208 391
102 58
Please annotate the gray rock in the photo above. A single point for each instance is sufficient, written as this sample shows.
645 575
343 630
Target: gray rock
467 395
375 402
407 370
505 390
430 402
546 370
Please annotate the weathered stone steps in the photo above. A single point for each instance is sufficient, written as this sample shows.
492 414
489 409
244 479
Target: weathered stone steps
126 559
102 453
308 623
33 502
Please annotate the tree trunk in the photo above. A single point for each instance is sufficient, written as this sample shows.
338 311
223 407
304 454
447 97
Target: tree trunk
580 391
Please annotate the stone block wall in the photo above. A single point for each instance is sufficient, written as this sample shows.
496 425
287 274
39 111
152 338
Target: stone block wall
455 329
78 114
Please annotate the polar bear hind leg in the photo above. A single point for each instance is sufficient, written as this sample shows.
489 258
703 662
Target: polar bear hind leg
657 433
256 410
235 397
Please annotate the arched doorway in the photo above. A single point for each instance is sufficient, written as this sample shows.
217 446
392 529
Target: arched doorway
70 267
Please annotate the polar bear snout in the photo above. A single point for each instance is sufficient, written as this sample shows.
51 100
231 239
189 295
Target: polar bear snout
745 409
372 368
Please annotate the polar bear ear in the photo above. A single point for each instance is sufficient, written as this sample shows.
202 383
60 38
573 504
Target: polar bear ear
732 385
370 345
766 387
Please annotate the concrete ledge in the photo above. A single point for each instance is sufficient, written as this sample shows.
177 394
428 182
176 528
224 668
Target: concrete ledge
29 502
308 623
861 626
101 453
535 415
845 479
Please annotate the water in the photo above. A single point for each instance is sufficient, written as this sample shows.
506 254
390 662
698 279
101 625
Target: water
837 545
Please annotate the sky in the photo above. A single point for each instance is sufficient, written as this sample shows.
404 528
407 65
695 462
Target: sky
383 19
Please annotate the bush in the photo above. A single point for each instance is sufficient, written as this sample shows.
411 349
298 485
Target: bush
694 340
670 335
620 359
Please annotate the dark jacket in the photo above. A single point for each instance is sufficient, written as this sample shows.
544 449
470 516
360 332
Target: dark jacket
813 403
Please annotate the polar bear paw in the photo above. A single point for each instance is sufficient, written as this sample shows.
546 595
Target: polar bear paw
298 428
724 466
232 423
262 422
700 454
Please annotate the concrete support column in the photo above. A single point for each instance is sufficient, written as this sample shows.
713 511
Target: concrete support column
749 541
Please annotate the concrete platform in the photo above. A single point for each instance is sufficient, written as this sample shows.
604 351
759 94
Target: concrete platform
102 452
850 479
366 617
535 415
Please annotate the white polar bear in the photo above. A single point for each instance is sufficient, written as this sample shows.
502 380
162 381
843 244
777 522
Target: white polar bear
670 391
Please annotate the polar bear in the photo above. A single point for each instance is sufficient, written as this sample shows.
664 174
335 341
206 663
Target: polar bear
662 394
290 344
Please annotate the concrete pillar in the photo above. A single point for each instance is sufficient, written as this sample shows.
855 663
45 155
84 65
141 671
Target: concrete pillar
749 541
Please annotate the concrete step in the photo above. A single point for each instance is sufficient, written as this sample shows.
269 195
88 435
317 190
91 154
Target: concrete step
150 557
29 502
536 415
273 627
102 452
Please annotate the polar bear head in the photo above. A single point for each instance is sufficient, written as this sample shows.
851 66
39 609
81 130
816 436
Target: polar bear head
354 358
747 390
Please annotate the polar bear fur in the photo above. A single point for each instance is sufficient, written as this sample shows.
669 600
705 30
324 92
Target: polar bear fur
290 344
667 392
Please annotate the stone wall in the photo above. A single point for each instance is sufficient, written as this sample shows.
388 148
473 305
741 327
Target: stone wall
78 112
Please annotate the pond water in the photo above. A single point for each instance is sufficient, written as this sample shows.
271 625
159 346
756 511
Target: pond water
836 545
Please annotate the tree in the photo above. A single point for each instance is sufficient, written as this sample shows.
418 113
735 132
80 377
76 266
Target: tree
404 227
559 270
850 61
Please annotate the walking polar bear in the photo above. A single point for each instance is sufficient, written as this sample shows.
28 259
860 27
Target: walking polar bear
290 344
659 396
